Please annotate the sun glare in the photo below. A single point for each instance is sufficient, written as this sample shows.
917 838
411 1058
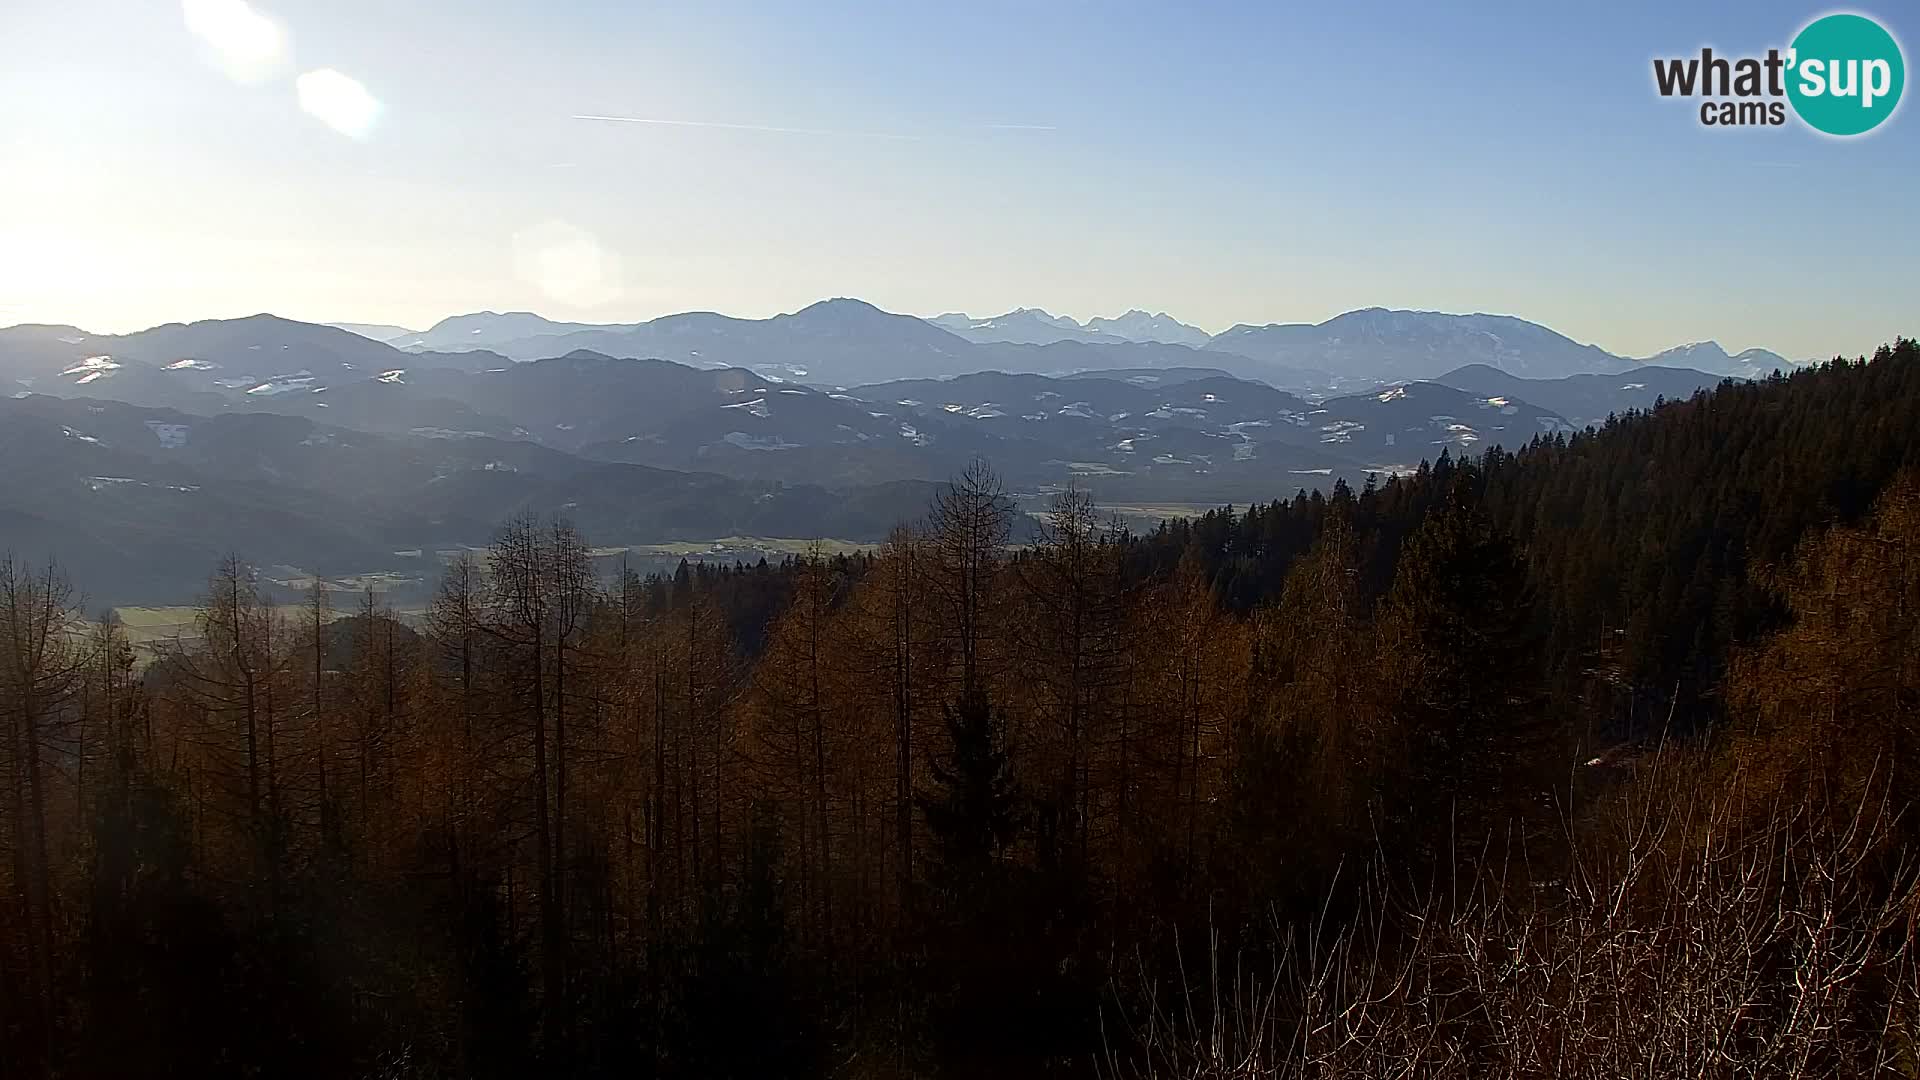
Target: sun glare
338 101
567 263
248 46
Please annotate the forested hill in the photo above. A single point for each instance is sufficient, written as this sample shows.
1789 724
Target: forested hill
966 808
1647 540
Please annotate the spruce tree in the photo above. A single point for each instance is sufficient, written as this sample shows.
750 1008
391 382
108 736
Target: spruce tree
973 814
1462 662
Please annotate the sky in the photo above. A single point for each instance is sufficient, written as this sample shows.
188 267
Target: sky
398 161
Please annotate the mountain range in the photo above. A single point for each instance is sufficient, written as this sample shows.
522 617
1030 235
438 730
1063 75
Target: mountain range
1710 356
1034 326
846 342
139 455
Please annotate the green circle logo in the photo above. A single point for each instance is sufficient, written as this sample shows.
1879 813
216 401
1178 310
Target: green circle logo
1845 74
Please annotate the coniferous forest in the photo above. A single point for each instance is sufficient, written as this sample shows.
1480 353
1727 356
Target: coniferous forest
1592 757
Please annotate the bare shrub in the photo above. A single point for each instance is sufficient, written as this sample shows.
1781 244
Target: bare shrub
1689 937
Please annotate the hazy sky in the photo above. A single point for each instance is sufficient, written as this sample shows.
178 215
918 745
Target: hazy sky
1247 162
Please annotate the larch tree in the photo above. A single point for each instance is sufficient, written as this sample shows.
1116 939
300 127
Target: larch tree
1070 641
893 653
967 534
524 612
230 675
798 739
40 671
1827 703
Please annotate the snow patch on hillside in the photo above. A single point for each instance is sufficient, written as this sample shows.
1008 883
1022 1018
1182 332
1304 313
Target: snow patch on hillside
171 436
757 442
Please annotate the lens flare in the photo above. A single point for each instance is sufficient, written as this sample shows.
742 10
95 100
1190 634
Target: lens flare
567 263
248 46
338 101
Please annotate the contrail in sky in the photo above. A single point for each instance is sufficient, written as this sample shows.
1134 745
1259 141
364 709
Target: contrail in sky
751 127
772 129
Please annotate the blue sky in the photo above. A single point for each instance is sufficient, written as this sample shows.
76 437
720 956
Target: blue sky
1258 162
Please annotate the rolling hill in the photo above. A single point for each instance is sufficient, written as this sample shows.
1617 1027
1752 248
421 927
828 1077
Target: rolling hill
141 501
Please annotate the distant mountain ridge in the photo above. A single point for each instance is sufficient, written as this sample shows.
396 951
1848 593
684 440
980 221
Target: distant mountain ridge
838 342
1711 357
1378 343
486 329
1021 326
1036 326
1137 325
